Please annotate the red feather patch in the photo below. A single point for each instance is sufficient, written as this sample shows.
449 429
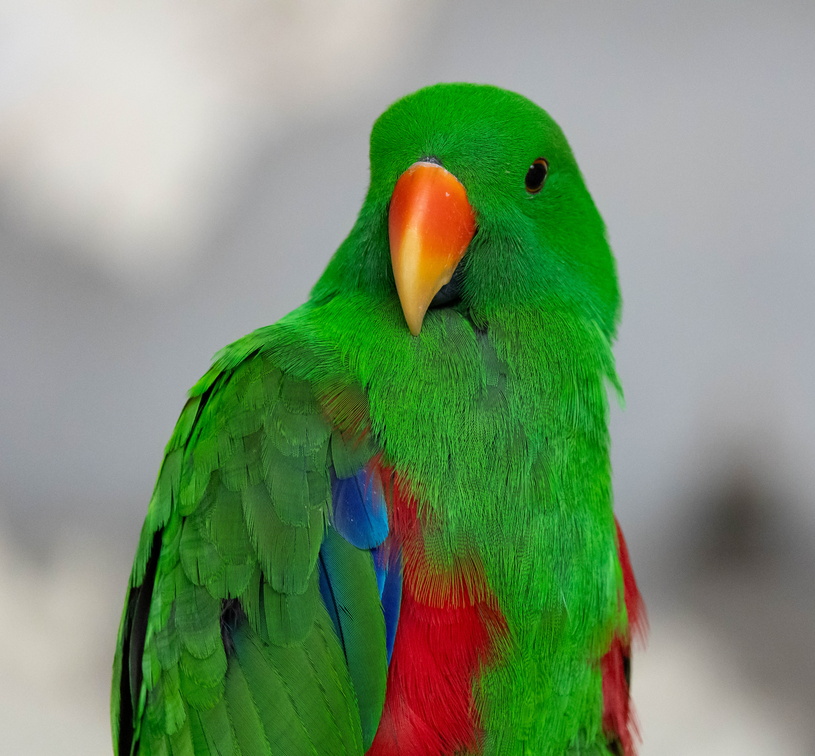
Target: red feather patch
618 719
446 626
634 606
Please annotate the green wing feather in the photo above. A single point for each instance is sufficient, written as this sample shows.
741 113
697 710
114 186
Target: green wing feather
225 645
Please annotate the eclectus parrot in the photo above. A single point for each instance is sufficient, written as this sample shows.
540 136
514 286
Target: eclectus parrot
383 525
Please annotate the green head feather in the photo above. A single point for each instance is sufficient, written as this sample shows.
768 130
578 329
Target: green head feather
530 250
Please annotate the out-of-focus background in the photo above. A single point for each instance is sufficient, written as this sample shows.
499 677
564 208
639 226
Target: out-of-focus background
176 174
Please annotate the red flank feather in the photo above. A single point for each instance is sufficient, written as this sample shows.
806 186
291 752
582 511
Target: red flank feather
635 608
617 714
616 703
445 632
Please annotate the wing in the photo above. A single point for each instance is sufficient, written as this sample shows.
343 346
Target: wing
254 622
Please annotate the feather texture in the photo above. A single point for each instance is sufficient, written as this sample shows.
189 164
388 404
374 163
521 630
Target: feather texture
364 540
226 642
359 511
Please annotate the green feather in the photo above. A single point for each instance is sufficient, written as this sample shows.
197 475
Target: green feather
199 557
214 728
181 742
168 643
362 625
320 690
245 715
197 620
226 527
287 554
281 723
277 617
202 680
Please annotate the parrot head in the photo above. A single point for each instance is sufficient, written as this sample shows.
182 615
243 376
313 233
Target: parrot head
475 203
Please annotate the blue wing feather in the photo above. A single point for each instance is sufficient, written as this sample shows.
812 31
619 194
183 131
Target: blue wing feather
360 516
388 565
327 593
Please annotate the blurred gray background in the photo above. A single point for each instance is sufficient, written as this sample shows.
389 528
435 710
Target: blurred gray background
176 174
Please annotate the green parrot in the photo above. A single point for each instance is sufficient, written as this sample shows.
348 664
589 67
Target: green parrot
383 525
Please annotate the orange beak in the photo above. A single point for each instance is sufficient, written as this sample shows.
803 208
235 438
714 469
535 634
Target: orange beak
430 225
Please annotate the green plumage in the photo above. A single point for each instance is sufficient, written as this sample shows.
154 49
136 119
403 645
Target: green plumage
496 414
231 540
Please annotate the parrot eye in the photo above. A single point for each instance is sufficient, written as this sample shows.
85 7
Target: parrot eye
536 175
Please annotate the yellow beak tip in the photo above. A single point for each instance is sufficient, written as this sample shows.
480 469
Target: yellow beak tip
414 316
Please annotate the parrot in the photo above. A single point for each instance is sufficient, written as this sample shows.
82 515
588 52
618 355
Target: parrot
384 524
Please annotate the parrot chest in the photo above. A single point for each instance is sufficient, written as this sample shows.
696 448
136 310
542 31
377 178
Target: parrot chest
518 560
498 447
503 458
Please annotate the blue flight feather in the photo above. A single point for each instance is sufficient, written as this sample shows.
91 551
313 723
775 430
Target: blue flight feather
327 594
389 578
360 514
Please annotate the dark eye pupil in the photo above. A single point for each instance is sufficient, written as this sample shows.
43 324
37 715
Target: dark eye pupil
536 175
